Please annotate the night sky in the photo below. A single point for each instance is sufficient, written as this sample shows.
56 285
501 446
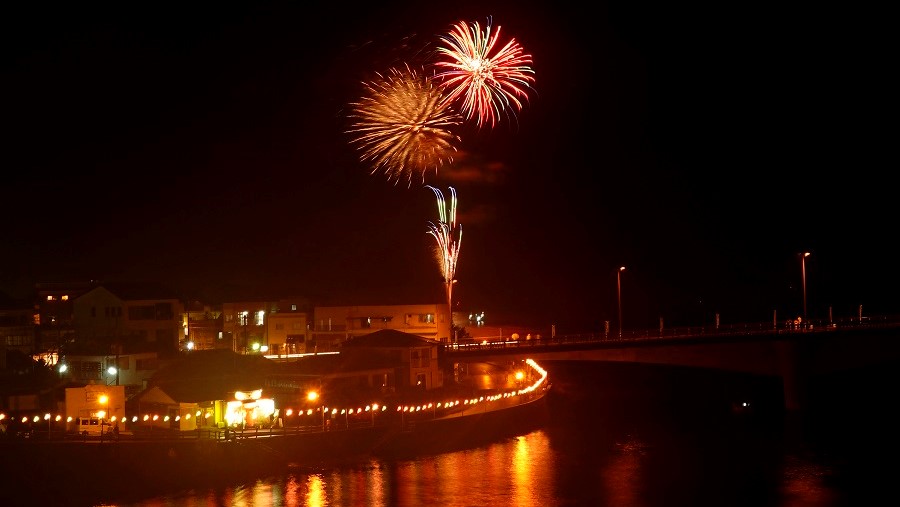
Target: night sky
702 145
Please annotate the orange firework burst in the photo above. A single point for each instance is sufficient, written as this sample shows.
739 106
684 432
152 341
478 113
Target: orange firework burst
402 125
488 83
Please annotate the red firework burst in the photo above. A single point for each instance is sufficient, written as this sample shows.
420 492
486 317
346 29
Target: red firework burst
488 82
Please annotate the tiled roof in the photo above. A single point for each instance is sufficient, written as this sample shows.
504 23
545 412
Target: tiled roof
329 364
197 375
197 392
388 338
131 291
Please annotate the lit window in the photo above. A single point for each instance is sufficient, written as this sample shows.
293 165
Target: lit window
260 317
65 297
51 298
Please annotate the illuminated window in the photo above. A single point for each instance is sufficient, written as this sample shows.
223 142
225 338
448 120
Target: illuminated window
65 297
260 317
242 318
51 298
426 318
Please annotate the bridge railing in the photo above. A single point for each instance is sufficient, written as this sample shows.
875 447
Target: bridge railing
689 332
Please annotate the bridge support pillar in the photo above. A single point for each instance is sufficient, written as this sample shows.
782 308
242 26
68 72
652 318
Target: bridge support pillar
792 367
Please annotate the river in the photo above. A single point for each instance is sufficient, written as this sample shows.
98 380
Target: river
627 435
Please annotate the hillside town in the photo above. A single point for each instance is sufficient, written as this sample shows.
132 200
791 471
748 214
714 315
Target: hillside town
108 359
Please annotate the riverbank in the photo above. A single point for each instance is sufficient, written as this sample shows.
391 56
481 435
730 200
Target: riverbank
62 471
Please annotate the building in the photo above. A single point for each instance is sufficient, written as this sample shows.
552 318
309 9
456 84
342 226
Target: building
333 325
270 327
386 363
288 328
17 329
415 358
219 384
284 326
131 371
202 325
127 318
105 404
55 304
244 325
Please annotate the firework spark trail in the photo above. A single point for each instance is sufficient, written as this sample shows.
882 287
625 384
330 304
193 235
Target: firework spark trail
487 83
448 246
403 125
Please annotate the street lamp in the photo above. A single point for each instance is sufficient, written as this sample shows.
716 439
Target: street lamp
803 257
619 295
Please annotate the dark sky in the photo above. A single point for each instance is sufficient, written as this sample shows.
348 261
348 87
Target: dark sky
703 145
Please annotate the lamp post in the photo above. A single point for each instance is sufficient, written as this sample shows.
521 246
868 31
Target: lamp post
803 257
619 295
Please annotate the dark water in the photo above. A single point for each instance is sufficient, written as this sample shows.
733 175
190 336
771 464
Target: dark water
630 435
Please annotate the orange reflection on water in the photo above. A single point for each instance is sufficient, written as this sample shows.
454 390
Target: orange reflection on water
292 491
315 491
803 484
622 476
375 488
523 476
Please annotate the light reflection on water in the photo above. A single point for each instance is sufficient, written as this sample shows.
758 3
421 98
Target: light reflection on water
803 483
623 474
604 445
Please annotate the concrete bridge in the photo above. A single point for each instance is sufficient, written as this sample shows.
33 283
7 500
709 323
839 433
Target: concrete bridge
794 353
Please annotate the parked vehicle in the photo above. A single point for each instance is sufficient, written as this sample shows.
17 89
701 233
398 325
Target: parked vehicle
87 426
